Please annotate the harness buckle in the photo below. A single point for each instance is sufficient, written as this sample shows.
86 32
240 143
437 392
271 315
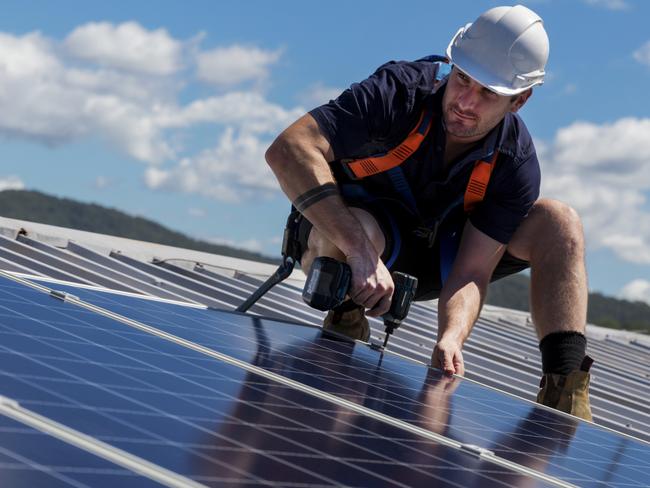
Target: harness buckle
428 232
343 164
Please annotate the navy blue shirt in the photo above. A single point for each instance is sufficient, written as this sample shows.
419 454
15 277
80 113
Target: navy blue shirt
377 114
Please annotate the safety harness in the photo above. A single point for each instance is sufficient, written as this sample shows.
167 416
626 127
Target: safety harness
362 168
390 162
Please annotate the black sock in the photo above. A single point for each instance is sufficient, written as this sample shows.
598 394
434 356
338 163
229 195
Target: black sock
562 352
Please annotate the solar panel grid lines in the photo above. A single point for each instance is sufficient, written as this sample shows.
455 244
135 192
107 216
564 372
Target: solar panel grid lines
89 444
601 348
235 318
621 408
114 415
271 304
29 458
279 398
215 297
37 266
611 384
412 335
508 369
62 350
160 288
64 265
116 276
639 346
523 390
8 265
492 370
528 349
279 296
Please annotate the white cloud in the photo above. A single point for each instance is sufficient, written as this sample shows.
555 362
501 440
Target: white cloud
318 94
254 245
102 182
233 171
602 171
196 212
609 4
126 91
239 108
46 100
637 290
122 84
227 66
126 46
11 182
642 55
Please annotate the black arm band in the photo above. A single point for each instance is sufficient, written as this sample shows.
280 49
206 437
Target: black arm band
314 195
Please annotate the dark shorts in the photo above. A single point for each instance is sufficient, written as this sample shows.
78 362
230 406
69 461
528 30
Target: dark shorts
411 254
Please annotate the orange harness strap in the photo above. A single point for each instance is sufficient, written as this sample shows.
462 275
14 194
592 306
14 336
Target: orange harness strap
396 156
478 182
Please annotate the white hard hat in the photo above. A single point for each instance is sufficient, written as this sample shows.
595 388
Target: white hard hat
505 49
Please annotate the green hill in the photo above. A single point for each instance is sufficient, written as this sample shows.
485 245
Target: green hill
511 292
62 212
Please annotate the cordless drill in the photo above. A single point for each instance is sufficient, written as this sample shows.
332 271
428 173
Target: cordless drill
328 283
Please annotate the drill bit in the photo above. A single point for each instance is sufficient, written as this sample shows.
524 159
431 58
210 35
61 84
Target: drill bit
386 340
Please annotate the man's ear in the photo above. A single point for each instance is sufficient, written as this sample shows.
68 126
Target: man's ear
519 100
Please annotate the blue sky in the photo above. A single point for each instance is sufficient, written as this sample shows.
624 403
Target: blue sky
164 109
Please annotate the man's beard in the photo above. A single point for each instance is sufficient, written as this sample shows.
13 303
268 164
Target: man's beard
458 129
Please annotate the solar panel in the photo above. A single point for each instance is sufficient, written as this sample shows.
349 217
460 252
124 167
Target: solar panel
205 418
507 358
463 412
30 458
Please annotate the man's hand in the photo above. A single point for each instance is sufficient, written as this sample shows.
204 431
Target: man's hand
372 285
448 357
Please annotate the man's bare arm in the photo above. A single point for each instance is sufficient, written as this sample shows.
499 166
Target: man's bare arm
463 295
299 158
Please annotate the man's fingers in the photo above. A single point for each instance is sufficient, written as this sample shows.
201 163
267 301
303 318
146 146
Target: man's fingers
459 365
361 296
381 307
448 363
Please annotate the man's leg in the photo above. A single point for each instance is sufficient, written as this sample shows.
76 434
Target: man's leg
348 318
551 240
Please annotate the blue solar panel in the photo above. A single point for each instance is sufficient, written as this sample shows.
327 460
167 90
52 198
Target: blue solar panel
29 458
209 420
541 439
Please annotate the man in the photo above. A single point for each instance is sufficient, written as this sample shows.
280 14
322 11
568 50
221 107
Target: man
443 185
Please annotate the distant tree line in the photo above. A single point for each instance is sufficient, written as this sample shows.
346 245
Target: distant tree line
62 212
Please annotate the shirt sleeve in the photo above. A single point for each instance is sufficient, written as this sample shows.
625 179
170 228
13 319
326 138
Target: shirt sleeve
508 202
372 111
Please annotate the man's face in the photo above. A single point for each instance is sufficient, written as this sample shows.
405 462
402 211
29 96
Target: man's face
470 110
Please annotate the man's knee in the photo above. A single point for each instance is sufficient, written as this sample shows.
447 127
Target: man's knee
563 222
319 245
550 224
